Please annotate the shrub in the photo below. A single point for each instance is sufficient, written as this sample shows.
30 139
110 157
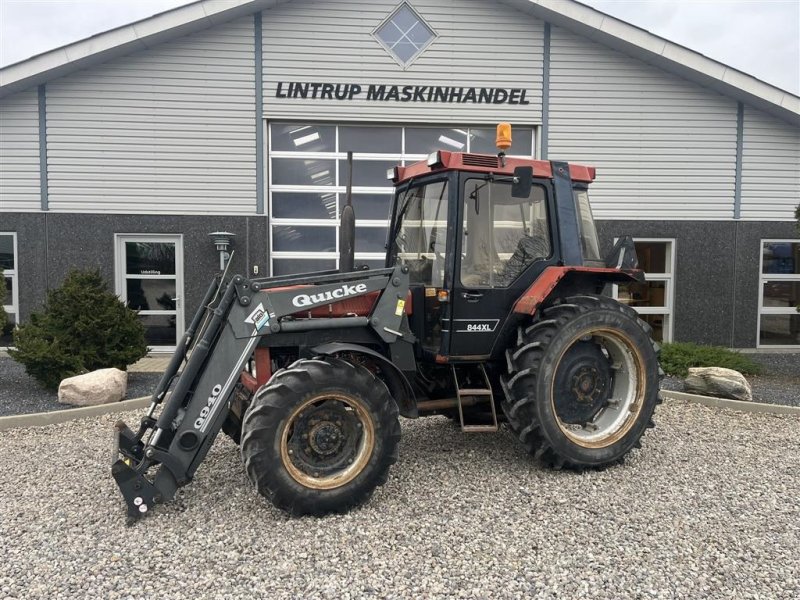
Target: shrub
676 358
83 327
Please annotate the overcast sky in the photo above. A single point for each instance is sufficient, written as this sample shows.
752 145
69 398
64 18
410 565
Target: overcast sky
759 37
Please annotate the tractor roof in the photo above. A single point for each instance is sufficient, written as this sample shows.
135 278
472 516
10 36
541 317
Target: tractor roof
487 163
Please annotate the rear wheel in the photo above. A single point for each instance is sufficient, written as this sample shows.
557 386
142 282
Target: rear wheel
320 436
582 382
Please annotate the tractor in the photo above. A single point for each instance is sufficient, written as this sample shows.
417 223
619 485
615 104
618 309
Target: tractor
490 309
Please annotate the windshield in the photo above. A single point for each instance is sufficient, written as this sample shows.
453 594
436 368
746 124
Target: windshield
421 232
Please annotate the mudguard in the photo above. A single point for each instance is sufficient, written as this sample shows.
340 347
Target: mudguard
542 288
396 381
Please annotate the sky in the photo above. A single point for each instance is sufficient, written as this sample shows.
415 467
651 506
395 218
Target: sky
759 37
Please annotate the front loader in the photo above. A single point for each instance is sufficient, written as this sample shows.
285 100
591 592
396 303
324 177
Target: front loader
490 308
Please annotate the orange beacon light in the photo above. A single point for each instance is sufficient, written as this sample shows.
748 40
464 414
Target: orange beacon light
503 136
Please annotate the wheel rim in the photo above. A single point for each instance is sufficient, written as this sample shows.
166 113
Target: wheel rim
327 441
598 388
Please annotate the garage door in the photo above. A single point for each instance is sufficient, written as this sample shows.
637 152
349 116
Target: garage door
308 180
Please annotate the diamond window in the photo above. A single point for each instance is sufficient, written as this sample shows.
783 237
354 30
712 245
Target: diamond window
404 34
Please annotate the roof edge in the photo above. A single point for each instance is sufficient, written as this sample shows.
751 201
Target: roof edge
663 53
125 39
570 14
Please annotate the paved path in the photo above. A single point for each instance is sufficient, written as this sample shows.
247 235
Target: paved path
155 363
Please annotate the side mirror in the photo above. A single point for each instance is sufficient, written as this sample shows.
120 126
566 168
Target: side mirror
523 180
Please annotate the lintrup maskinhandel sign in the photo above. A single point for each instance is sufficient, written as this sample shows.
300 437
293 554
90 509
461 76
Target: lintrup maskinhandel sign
399 93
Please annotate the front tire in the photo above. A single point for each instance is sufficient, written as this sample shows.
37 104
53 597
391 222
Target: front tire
582 383
320 436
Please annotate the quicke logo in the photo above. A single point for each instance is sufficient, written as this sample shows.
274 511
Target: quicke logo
302 300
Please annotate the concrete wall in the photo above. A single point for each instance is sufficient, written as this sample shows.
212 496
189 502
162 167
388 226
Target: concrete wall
716 297
716 274
50 244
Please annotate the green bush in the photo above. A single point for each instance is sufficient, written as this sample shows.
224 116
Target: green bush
83 327
676 358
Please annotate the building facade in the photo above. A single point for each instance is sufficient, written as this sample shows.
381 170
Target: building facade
125 151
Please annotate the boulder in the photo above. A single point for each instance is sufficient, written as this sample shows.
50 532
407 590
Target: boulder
98 387
718 382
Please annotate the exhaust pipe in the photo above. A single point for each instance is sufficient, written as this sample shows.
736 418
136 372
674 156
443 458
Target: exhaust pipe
347 227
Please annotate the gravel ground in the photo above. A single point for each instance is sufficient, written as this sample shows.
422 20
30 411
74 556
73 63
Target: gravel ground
21 394
707 509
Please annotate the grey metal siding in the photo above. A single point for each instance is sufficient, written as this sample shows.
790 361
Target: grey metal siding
770 168
165 130
19 153
481 44
664 148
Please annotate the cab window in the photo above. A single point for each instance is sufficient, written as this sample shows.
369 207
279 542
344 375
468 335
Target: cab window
421 238
502 235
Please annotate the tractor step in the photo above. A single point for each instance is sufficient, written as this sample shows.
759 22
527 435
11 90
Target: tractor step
473 375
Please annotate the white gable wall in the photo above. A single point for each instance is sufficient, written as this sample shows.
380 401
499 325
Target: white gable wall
770 168
479 44
19 152
165 130
172 129
664 148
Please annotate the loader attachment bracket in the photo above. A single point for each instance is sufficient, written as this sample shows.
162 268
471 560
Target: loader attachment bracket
140 495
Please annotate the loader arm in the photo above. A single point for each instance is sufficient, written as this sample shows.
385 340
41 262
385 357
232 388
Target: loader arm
194 401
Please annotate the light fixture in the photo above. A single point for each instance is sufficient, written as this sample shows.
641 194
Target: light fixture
435 159
311 137
451 142
222 240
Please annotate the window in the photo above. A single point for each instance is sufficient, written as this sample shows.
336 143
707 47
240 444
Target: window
779 296
653 299
404 35
308 177
422 236
502 235
590 247
8 262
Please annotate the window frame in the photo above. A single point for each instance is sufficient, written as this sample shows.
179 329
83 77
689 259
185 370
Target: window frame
668 310
340 187
121 277
12 274
404 65
763 278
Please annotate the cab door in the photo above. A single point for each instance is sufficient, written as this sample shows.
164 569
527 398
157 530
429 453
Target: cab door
504 244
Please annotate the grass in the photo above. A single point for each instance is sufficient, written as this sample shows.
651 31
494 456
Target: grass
677 357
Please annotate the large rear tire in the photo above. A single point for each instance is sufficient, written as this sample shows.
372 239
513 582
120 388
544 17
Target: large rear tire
582 383
320 436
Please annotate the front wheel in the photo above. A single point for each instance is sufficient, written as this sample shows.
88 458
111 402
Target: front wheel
583 382
320 436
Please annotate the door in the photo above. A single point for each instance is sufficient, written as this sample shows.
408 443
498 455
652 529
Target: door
149 279
505 243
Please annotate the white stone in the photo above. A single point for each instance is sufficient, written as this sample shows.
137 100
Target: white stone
98 387
718 382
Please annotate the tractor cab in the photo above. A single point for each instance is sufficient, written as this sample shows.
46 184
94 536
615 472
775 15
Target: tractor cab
475 232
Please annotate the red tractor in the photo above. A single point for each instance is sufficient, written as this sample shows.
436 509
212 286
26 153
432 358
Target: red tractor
490 307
